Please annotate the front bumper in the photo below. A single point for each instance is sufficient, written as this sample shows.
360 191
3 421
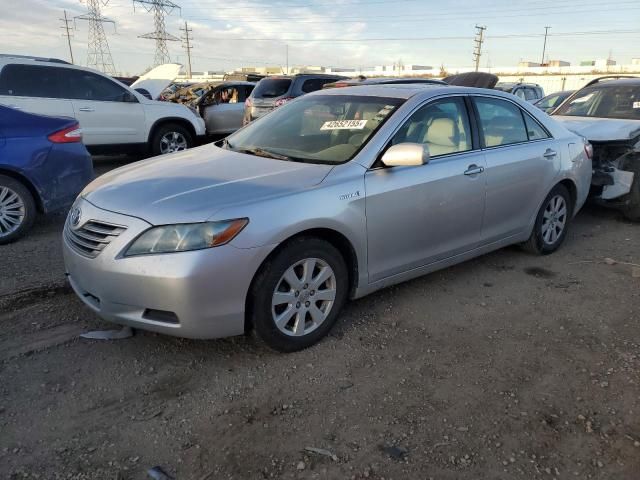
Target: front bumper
205 290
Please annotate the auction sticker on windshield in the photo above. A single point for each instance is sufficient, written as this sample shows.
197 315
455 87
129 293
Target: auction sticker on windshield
344 125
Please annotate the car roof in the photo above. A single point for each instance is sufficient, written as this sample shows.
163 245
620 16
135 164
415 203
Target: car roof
408 90
613 82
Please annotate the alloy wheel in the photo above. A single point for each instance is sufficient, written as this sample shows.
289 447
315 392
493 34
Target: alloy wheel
303 297
172 142
12 211
554 219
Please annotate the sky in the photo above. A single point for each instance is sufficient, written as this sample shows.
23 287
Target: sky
338 33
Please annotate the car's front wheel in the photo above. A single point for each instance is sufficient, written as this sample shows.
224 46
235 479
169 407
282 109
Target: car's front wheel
552 222
171 138
17 209
298 294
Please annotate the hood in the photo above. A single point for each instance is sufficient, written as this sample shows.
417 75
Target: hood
157 79
601 129
191 186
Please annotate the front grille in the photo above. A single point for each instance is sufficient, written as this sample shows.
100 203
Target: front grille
93 237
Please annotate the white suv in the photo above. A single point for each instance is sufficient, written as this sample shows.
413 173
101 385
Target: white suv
113 117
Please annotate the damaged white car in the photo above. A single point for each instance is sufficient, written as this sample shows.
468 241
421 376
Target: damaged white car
607 113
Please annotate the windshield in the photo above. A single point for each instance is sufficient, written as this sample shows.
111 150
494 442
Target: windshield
315 129
616 101
551 101
272 87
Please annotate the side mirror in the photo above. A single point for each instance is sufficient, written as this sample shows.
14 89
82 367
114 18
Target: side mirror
130 97
406 154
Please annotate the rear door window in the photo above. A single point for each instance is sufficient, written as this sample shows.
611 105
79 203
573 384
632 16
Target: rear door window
534 129
272 87
501 122
31 81
81 85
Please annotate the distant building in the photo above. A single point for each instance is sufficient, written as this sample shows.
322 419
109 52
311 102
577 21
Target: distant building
600 63
635 61
558 63
528 64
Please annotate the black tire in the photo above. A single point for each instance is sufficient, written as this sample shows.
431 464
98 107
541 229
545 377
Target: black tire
631 211
156 146
268 279
536 243
29 206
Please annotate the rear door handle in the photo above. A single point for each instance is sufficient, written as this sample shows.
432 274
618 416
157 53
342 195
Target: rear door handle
549 153
86 109
474 170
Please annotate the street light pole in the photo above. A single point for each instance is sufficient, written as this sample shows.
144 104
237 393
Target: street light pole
544 47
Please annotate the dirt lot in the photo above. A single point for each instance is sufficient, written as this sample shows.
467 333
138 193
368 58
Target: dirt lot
509 366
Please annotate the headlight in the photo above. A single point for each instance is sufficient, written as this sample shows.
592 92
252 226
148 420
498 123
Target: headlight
186 236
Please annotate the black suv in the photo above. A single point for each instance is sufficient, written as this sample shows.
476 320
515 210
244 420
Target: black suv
271 92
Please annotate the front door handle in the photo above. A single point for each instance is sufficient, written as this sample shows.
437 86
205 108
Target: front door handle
549 153
474 170
86 109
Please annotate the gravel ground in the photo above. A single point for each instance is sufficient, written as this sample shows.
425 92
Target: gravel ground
508 366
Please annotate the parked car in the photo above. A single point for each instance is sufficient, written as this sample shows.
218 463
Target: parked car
552 101
273 92
530 92
43 167
607 112
335 195
113 117
222 106
355 82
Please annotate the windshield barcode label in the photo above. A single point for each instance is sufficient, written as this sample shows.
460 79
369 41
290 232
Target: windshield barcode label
344 125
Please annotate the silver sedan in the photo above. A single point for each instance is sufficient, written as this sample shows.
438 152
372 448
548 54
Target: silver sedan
333 196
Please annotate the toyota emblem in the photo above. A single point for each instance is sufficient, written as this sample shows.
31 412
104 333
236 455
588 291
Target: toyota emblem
74 218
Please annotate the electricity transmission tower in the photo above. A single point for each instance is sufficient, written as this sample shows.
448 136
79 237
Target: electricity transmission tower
187 46
98 53
65 25
160 8
477 51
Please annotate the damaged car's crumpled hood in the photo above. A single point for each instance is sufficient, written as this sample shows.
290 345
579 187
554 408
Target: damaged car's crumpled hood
601 129
192 185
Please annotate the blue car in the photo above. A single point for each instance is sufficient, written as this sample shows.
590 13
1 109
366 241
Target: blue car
43 167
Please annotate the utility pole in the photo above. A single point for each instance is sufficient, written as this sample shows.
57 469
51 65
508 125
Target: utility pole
287 54
544 47
477 51
160 8
187 46
65 21
98 53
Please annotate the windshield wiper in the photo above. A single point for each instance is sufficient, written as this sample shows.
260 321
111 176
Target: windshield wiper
261 152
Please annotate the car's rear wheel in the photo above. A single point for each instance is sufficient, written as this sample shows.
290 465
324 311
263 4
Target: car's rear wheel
552 222
298 294
632 208
17 210
171 138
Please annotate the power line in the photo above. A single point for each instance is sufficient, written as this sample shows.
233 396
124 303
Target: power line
68 34
160 8
477 51
187 45
404 39
98 53
544 10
